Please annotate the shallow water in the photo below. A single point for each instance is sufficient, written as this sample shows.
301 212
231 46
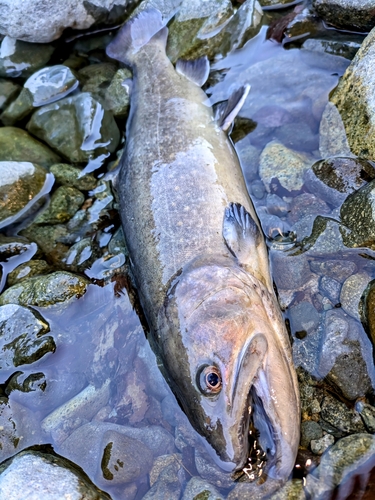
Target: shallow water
102 354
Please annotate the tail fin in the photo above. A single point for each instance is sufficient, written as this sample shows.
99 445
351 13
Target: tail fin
136 33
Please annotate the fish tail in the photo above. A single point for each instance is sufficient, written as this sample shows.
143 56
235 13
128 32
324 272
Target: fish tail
147 27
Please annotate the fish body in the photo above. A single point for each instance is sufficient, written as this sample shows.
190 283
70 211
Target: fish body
200 261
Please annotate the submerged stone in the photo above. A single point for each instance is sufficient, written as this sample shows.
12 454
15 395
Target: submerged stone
28 270
21 185
77 127
319 446
352 15
96 78
48 476
200 489
341 47
50 239
17 145
117 95
340 416
332 134
43 291
8 92
64 203
22 59
68 175
10 246
23 338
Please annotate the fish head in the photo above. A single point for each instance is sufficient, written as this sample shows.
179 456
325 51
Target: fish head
229 369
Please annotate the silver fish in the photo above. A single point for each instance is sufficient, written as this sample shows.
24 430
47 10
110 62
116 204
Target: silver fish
199 258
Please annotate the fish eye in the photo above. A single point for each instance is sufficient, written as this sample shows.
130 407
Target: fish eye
209 380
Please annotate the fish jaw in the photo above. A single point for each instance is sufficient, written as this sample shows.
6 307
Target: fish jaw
218 318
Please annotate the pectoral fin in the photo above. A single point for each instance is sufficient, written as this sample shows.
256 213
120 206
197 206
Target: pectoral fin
196 71
241 233
228 112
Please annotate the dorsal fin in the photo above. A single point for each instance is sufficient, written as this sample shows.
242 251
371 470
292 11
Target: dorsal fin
196 71
227 114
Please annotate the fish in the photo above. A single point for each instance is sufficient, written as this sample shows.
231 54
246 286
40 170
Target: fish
199 259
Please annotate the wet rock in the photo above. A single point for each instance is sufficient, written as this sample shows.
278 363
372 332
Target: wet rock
254 491
64 203
23 336
96 79
306 204
347 14
325 238
117 95
351 293
334 179
357 216
367 413
67 175
11 246
349 456
21 59
276 205
292 490
168 484
124 459
291 167
84 445
310 430
199 489
43 87
304 319
8 92
289 272
77 127
344 355
81 255
338 270
330 288
341 47
42 291
50 240
209 471
75 412
354 100
22 19
271 3
47 476
17 145
319 446
333 140
21 186
369 311
340 416
257 189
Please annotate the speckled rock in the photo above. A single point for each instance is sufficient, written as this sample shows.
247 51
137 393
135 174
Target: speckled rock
292 490
50 240
46 290
347 14
319 446
71 127
23 338
333 140
305 205
17 145
341 47
340 416
338 270
290 272
330 288
124 459
355 101
32 474
168 484
8 92
19 58
254 491
304 319
21 186
117 95
27 20
310 430
65 202
291 166
367 413
199 489
340 462
351 293
211 472
68 175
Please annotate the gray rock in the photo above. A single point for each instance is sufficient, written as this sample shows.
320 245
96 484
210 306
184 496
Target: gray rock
8 92
292 490
209 471
345 359
198 488
333 139
17 145
64 203
42 291
50 240
254 491
84 445
305 205
23 338
82 255
331 288
276 205
21 59
367 413
124 459
71 127
117 95
68 175
310 430
338 270
22 184
291 166
290 272
347 14
351 293
304 319
257 189
96 79
341 47
31 474
340 416
168 484
26 20
319 446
